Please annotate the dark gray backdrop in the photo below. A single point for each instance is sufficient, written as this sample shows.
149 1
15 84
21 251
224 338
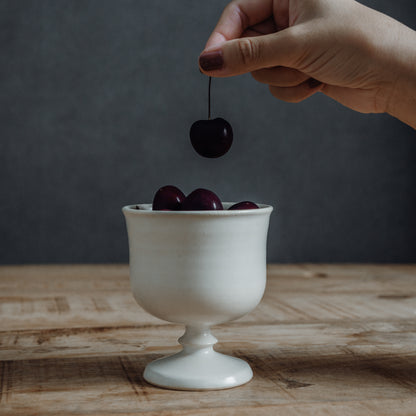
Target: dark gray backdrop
96 101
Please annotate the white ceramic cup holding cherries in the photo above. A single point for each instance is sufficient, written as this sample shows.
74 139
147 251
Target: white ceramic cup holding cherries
199 262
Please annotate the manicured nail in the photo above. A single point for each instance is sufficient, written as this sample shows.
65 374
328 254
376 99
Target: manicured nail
313 83
210 61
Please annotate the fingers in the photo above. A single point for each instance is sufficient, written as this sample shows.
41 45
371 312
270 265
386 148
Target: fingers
288 84
281 14
264 28
298 93
248 54
280 76
237 17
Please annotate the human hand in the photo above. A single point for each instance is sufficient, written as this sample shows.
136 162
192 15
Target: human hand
356 55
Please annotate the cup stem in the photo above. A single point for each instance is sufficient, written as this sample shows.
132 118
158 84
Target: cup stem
198 366
197 338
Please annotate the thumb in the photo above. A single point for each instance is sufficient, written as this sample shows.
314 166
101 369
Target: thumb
248 54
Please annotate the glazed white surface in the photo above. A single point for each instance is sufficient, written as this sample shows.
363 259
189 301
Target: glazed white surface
198 268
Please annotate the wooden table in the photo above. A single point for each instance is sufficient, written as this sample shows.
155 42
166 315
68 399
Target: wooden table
325 340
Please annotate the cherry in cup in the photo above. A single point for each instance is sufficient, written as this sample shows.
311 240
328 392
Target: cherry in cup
244 205
213 137
168 198
202 200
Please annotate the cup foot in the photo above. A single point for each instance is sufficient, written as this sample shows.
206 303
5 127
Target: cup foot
200 370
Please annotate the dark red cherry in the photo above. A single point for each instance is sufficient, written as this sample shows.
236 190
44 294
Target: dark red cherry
211 138
202 200
244 205
168 198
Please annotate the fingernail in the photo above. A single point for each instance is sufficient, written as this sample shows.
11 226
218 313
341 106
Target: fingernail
313 83
210 61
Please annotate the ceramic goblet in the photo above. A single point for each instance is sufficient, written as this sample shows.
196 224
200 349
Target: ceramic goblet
197 268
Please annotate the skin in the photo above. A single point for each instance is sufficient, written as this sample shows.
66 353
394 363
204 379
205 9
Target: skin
362 58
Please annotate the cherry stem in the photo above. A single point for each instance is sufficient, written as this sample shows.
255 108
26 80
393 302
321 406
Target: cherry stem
209 99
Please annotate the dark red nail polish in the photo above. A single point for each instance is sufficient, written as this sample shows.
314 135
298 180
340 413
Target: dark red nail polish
210 61
313 83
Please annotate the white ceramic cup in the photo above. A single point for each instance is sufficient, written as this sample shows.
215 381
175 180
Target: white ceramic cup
197 268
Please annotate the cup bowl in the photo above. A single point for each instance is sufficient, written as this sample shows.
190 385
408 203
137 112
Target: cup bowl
197 266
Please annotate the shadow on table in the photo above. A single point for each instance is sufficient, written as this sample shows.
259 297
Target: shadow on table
288 369
335 369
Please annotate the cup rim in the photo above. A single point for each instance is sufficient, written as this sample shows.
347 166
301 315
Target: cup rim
145 209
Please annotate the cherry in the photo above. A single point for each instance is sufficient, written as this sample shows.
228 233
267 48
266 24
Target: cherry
211 138
168 198
202 200
244 205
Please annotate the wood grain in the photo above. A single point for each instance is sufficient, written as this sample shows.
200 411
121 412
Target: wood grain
326 339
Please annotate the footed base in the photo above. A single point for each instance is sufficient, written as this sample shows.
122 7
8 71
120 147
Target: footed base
198 370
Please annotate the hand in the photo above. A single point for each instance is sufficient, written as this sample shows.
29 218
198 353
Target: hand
356 55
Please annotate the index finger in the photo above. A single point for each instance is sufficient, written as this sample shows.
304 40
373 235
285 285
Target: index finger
237 17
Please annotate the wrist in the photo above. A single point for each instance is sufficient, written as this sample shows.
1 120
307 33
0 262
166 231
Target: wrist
402 103
402 97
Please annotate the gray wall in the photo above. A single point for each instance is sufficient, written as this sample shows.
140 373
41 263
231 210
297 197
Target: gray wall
96 101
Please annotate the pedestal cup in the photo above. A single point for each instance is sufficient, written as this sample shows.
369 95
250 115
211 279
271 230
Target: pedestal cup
197 268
